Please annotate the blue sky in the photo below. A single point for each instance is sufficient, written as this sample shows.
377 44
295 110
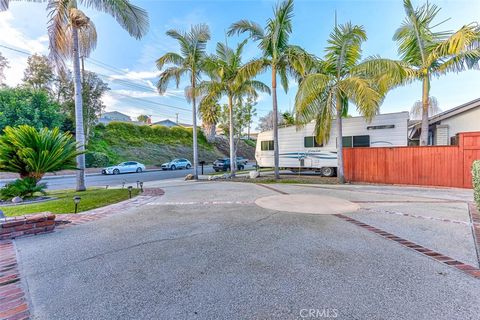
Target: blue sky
129 65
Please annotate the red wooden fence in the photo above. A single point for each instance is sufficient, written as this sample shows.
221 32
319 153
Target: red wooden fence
448 166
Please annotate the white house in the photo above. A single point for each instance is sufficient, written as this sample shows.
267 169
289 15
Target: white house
443 127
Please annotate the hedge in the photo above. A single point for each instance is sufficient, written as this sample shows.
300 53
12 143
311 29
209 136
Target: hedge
476 181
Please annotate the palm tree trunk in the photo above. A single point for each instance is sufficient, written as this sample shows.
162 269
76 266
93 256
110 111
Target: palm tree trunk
195 141
275 123
79 129
233 161
209 130
340 172
425 107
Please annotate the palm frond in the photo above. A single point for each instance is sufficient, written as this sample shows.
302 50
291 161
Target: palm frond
361 92
344 47
245 26
170 58
130 17
173 73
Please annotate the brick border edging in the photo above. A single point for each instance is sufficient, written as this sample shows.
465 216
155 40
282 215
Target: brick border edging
13 304
466 268
475 225
68 220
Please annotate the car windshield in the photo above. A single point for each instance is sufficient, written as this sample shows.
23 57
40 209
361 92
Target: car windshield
175 160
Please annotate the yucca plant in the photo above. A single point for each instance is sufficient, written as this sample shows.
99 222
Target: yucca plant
32 153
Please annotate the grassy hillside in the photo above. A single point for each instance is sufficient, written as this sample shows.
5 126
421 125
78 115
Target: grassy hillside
117 142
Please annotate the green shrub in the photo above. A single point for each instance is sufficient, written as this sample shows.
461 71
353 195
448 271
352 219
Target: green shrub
95 159
476 181
23 188
32 153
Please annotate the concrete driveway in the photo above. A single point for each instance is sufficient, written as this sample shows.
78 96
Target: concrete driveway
205 250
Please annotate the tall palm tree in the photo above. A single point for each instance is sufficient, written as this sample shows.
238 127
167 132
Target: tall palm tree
233 79
278 54
72 34
340 78
189 62
430 53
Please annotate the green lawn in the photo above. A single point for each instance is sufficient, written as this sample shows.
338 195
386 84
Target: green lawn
90 199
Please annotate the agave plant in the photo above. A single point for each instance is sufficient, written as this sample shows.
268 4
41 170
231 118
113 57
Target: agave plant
32 153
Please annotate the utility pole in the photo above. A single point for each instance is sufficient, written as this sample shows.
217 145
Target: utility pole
176 116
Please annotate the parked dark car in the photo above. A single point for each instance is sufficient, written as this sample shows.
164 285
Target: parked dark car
242 160
224 165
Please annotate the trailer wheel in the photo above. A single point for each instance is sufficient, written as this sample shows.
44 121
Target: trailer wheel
327 172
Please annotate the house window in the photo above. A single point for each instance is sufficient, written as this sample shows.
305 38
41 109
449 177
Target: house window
267 145
311 142
356 141
387 126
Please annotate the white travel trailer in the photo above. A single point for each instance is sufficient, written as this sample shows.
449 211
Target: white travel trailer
299 149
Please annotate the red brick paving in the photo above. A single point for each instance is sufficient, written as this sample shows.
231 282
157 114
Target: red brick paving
13 305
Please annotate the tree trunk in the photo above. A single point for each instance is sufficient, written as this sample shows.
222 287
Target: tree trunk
425 107
209 130
340 173
195 141
275 123
233 161
79 128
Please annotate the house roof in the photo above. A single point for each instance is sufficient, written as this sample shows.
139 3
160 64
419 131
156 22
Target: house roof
455 111
166 122
116 113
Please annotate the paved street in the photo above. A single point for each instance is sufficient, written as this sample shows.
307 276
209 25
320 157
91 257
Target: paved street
205 250
68 182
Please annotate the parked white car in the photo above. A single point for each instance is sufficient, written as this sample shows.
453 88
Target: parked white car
125 167
177 164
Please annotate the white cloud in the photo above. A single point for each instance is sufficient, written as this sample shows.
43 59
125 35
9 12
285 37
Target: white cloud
12 37
135 75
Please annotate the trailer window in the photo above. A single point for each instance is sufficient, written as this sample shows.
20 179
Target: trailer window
356 141
267 145
311 142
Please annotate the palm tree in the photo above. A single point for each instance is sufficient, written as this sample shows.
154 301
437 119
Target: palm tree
189 62
341 78
210 115
428 53
417 109
72 34
281 57
233 79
